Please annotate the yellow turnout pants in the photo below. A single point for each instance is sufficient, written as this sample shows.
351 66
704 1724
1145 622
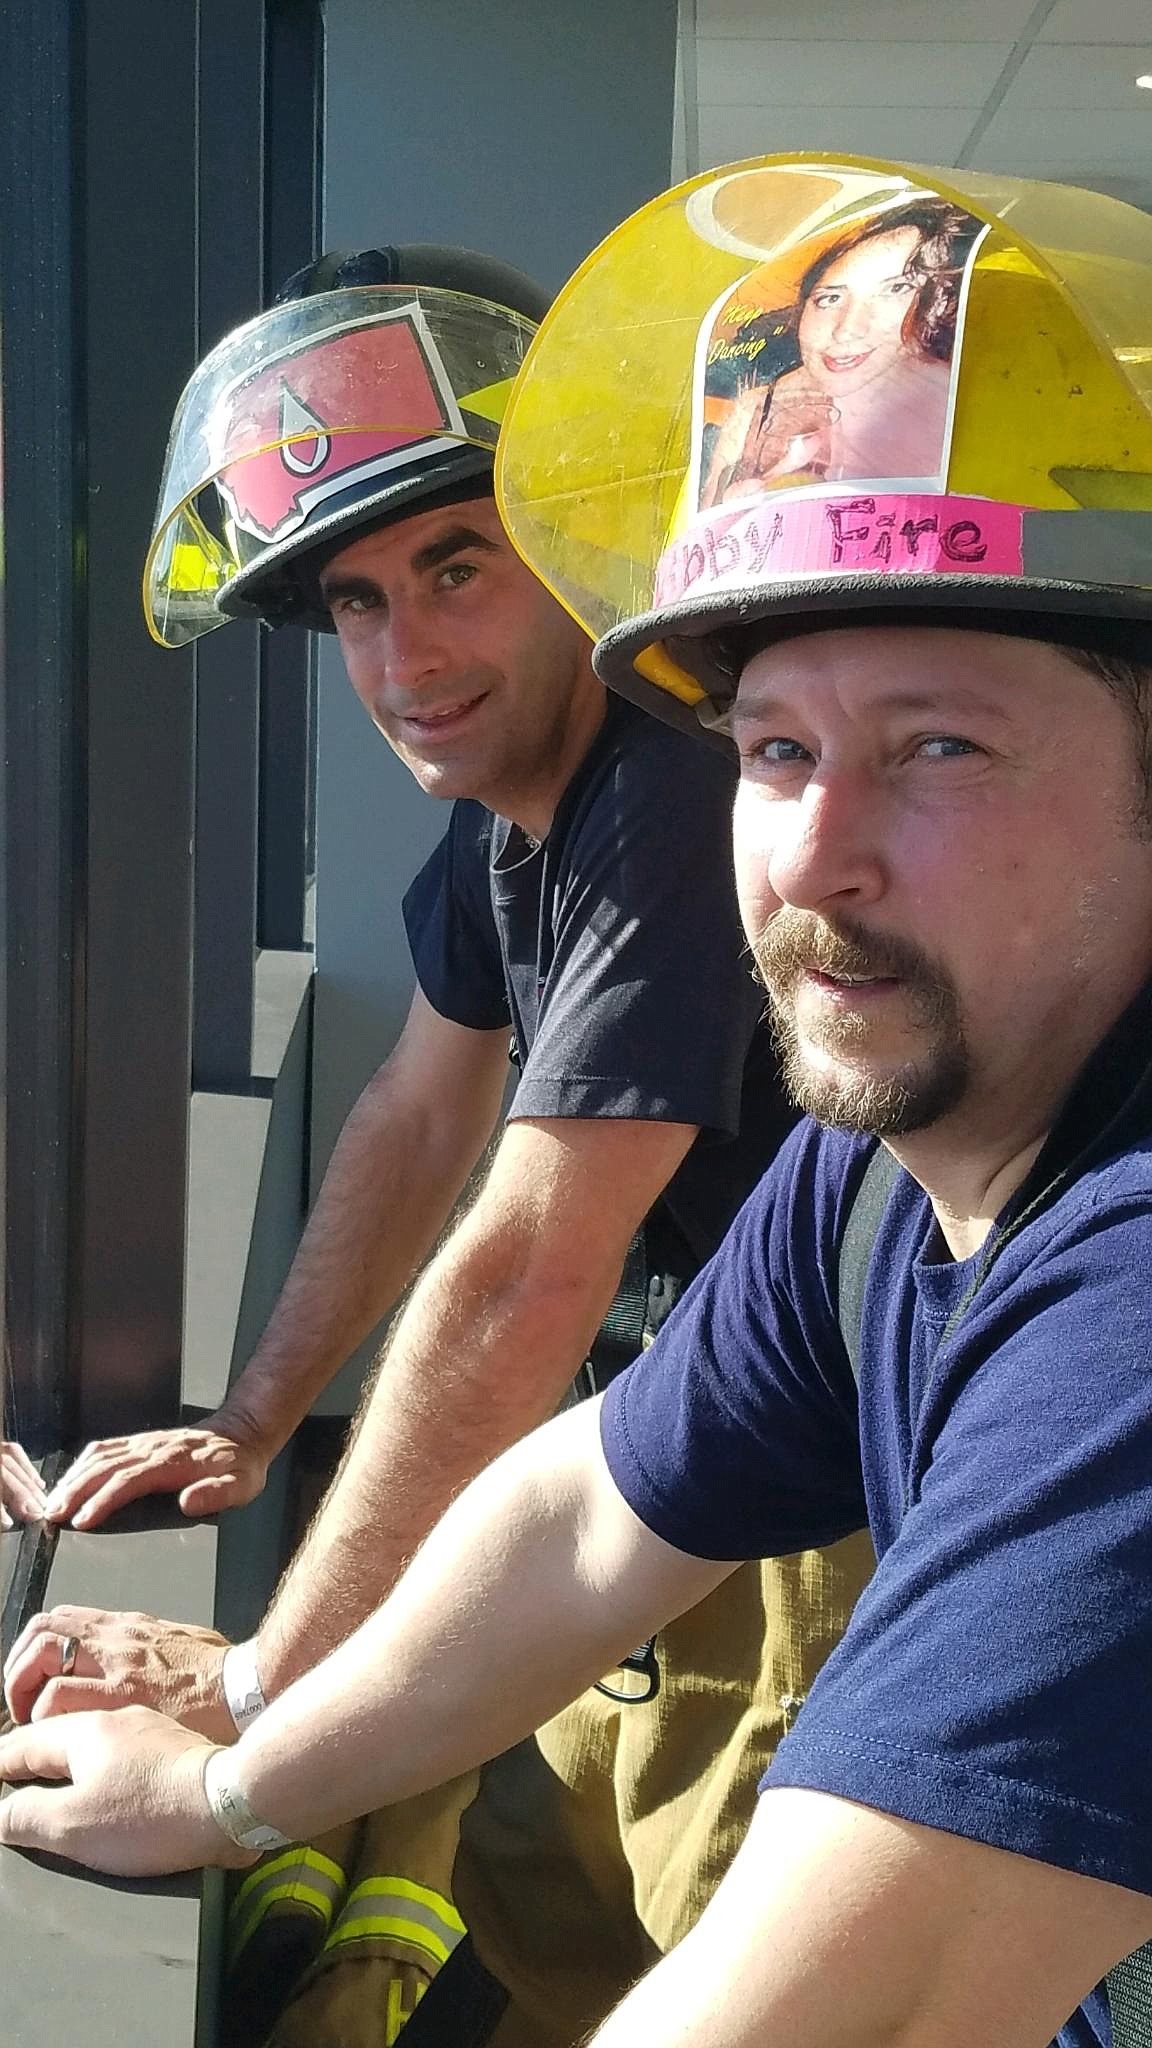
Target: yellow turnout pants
574 1861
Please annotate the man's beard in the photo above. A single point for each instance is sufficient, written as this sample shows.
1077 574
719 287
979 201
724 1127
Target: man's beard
888 1106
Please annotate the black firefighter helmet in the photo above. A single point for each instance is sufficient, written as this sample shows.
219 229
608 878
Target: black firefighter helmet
374 386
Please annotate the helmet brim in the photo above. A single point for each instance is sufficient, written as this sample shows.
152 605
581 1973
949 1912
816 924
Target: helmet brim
283 587
691 631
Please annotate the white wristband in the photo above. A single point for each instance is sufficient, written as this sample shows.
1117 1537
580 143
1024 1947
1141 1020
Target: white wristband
230 1809
241 1681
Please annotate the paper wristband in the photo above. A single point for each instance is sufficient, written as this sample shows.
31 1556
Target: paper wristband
230 1809
242 1688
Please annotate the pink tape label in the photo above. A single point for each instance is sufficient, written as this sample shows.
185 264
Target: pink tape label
901 534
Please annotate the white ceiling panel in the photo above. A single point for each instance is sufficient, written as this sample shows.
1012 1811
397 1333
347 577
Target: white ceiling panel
1135 190
1098 21
733 72
1077 132
935 21
1101 75
1044 88
921 134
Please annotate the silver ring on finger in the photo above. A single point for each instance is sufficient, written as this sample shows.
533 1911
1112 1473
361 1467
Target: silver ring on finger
69 1648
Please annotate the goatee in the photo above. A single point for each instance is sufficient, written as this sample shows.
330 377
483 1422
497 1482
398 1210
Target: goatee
842 1093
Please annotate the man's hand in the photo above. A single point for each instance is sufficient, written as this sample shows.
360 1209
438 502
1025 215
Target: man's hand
129 1800
22 1495
209 1469
122 1660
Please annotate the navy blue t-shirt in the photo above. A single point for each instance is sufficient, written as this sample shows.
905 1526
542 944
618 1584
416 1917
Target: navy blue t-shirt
995 1680
614 952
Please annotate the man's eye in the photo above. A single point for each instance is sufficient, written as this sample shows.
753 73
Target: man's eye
775 753
455 574
945 746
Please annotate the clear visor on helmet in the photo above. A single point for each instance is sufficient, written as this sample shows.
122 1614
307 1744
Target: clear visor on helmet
767 339
311 401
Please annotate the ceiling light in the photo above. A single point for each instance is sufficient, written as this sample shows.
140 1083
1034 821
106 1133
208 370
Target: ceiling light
1146 81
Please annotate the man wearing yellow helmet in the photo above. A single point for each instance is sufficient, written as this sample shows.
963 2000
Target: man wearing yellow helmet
331 465
933 1314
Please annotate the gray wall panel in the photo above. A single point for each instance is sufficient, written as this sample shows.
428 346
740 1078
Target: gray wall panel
530 127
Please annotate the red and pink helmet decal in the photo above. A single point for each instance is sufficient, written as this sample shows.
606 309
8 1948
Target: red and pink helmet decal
303 429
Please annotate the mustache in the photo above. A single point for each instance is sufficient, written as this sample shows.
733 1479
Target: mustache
795 942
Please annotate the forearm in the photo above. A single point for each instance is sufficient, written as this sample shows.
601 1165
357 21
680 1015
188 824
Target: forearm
536 1580
389 1190
481 1357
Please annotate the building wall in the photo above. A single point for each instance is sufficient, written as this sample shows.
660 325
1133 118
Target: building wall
529 128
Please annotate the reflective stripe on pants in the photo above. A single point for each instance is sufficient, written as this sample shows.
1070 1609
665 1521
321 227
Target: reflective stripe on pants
301 1877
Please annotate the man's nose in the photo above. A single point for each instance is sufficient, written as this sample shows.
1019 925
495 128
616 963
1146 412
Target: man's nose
409 652
395 662
828 854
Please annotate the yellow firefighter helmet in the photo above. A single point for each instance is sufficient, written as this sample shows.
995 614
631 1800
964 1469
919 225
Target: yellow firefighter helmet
806 388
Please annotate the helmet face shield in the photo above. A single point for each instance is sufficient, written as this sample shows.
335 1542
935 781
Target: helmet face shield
818 384
323 404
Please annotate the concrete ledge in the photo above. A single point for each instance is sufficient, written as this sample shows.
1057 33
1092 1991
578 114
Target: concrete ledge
247 1162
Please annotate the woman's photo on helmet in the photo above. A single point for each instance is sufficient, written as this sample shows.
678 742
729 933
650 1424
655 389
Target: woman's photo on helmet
852 377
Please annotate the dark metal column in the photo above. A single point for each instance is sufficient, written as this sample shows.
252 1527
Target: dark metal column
138 315
41 98
133 218
294 157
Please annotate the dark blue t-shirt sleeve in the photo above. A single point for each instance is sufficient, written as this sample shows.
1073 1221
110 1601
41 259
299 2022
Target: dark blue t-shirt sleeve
995 1680
451 929
647 1006
735 1434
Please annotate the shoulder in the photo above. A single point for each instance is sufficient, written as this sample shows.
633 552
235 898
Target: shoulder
1058 1332
450 897
1118 1184
470 830
1084 1227
795 1217
458 868
645 775
640 749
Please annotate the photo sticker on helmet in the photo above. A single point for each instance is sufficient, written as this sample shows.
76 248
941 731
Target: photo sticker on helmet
344 406
837 363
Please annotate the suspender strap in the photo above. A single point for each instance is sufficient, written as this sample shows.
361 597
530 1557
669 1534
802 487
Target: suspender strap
1130 1999
856 1246
624 1323
620 1337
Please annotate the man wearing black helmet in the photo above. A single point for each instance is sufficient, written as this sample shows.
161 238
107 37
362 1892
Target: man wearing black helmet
582 899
